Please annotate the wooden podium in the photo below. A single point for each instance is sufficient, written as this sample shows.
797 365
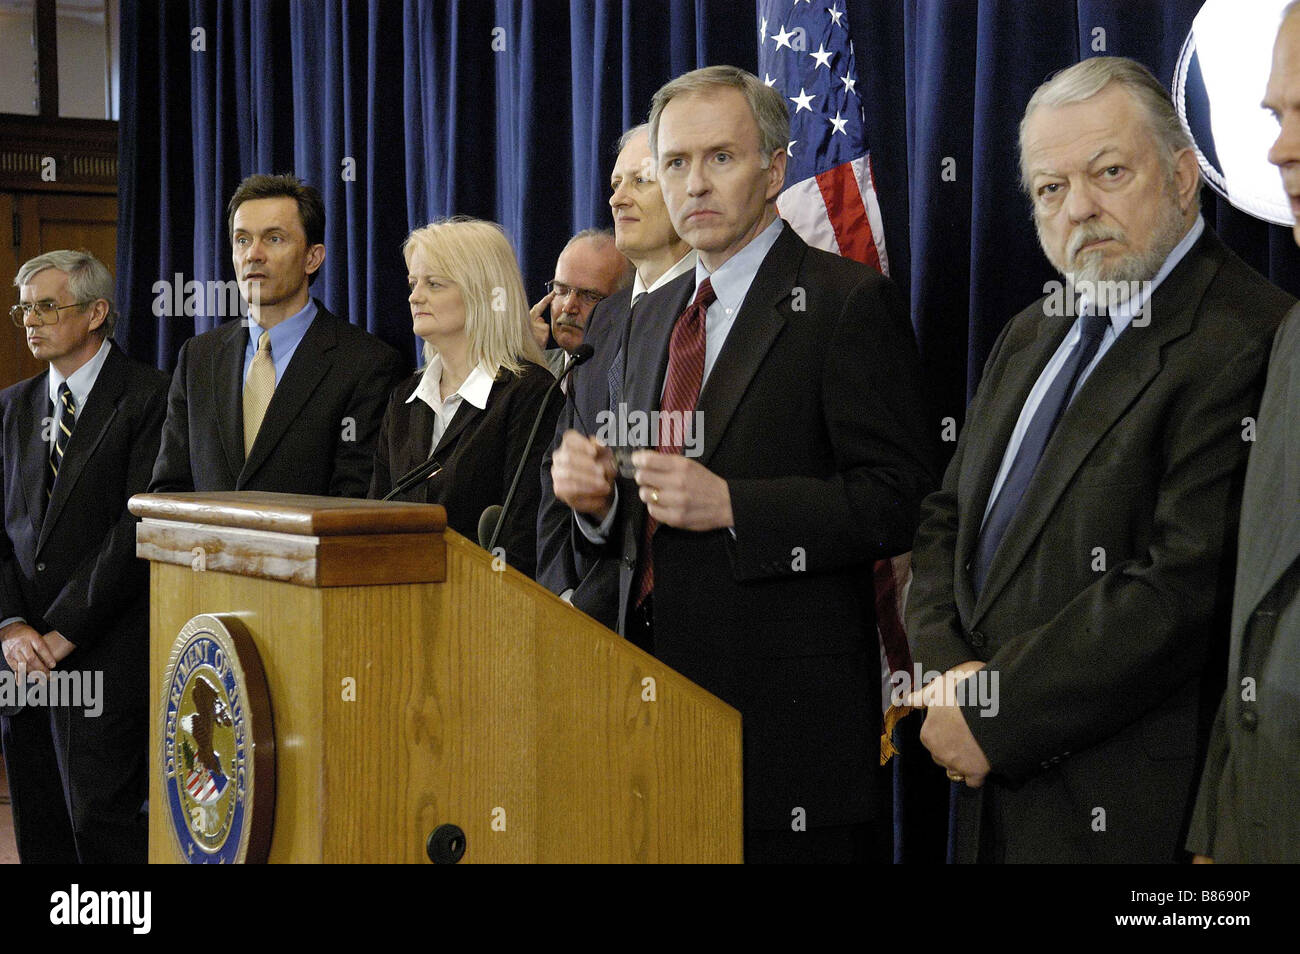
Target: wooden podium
414 684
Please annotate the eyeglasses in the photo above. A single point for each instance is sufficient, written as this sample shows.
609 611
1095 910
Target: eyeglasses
562 290
46 312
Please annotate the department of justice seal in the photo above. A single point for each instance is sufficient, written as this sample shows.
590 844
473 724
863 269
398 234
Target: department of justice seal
218 745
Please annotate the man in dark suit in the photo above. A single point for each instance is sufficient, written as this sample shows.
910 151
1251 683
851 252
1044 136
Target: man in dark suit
290 399
791 455
1248 809
644 233
589 270
1073 566
75 443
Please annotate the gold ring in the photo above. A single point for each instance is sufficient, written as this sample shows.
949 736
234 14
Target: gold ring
955 776
654 496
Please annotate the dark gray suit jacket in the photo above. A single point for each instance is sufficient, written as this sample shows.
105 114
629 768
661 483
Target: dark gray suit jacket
319 433
1100 607
1249 804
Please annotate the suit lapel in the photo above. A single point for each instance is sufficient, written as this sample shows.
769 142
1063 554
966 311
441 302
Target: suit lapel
1119 378
308 366
92 423
1018 377
459 421
757 326
647 343
34 449
228 393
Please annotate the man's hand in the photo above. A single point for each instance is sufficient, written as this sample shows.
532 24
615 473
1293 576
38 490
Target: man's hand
945 732
681 492
25 650
582 473
58 645
539 320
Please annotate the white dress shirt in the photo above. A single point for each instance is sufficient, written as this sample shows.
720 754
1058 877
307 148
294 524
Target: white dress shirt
475 389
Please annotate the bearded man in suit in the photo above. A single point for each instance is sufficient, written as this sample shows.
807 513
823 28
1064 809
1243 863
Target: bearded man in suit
1071 576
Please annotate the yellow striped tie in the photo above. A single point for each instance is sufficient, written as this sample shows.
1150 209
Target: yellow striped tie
258 390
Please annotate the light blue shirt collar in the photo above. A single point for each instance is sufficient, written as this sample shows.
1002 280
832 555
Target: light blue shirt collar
286 335
80 381
731 280
1122 315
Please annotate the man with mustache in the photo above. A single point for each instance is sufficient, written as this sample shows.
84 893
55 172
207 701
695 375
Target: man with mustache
644 233
1073 567
291 398
1248 809
589 270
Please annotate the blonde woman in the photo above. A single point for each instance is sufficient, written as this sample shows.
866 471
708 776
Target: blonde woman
474 402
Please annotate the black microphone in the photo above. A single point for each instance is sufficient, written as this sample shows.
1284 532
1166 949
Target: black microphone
487 522
580 354
413 477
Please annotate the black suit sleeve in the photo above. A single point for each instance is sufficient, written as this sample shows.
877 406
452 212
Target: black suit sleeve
933 626
519 535
171 471
354 454
381 478
555 569
94 593
11 598
874 413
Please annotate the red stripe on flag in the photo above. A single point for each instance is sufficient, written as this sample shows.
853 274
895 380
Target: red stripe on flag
848 215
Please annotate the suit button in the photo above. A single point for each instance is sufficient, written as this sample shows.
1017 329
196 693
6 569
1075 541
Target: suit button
629 562
977 640
1047 765
40 568
1249 719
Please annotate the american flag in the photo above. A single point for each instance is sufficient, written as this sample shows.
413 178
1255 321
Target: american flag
805 53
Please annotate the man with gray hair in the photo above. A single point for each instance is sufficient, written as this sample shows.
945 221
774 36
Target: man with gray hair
1070 577
76 442
589 270
788 455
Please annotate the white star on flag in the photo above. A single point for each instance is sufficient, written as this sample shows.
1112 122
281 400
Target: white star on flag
802 101
822 56
838 123
782 39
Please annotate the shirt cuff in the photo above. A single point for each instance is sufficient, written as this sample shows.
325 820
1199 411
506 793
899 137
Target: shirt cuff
598 534
11 619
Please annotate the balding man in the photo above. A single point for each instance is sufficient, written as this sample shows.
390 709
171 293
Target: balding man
589 270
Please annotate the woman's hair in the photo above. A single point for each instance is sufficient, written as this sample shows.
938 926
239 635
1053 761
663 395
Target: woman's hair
477 256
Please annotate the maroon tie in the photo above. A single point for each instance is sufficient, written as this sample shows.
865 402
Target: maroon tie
681 394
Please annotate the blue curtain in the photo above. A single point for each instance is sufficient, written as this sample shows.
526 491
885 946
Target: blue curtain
402 111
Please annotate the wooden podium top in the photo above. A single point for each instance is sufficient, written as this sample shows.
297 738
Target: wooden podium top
296 514
311 541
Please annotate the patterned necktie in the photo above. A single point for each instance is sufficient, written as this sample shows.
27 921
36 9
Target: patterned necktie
1040 430
67 410
681 394
258 390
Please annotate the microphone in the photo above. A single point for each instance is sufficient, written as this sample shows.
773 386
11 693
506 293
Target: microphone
487 521
580 354
413 477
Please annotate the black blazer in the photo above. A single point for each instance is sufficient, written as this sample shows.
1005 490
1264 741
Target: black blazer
479 451
814 415
594 390
76 570
319 433
1113 581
